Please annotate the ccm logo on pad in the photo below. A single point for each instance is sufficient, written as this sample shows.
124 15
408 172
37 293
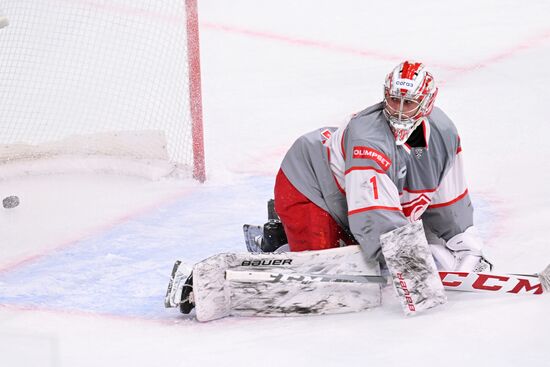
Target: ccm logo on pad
369 153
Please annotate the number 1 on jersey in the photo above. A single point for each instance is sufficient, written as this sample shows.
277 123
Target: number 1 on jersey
374 187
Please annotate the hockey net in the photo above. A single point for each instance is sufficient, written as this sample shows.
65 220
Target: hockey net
108 85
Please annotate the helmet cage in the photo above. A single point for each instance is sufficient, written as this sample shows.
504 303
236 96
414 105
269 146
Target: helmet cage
408 99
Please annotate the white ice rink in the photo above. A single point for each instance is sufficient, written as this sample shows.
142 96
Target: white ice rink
85 260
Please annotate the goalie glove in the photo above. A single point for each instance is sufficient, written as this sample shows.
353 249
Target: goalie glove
462 253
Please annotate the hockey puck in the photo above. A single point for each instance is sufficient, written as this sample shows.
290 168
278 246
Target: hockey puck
10 202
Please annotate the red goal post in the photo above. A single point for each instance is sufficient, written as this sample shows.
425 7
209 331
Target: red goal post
109 85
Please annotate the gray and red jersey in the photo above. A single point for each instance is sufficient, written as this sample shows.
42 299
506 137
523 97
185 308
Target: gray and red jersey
370 185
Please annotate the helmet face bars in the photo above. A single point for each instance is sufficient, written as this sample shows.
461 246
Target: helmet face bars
409 95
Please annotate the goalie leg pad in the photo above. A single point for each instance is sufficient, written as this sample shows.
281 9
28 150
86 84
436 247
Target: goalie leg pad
412 267
287 294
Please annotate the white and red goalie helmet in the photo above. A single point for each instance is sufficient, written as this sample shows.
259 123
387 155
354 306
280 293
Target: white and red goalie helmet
409 95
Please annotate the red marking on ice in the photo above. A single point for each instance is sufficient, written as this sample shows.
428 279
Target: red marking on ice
81 313
94 231
457 70
302 41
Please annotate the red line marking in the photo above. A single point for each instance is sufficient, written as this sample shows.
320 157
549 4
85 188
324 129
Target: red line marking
91 314
302 41
524 45
14 264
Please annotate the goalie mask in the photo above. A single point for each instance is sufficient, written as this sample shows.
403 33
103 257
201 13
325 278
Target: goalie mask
409 95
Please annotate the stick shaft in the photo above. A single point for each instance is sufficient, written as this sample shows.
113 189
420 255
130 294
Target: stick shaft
452 280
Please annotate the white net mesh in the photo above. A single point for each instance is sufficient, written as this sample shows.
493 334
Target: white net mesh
108 77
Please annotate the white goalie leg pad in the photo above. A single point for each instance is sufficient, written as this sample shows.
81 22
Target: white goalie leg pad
412 267
293 294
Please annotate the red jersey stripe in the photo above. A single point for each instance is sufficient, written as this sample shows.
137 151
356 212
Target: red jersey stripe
363 169
460 197
418 191
391 208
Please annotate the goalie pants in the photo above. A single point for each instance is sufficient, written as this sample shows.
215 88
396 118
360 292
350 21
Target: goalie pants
307 226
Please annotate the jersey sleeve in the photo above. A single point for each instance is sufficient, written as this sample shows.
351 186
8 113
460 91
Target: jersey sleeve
372 197
450 211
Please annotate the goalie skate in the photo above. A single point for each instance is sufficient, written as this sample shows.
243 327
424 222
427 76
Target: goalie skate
253 237
180 289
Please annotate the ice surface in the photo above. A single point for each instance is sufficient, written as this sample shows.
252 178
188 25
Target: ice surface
85 260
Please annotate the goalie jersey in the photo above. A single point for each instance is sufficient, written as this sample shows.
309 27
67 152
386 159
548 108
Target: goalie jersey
370 185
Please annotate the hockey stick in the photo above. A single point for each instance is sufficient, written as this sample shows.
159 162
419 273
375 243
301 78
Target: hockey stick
272 277
452 280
